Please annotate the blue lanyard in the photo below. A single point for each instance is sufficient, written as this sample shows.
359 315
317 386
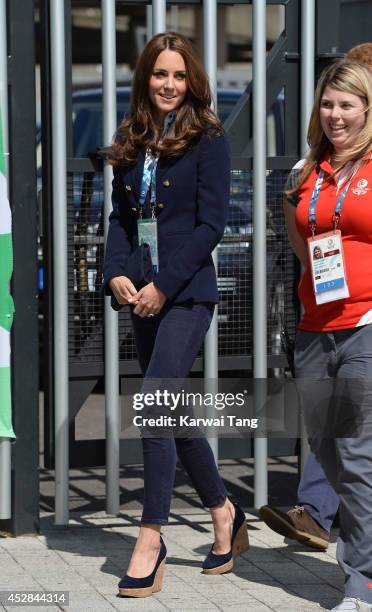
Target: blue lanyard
314 201
149 171
148 182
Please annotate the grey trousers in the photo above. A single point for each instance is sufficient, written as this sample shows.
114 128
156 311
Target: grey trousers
316 494
334 378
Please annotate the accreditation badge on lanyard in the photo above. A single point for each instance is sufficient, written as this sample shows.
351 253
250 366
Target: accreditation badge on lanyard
148 234
148 228
326 252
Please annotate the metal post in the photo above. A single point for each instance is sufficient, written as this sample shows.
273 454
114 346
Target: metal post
5 479
259 242
158 16
111 318
210 44
24 358
60 309
211 340
148 22
174 18
307 99
5 448
307 67
4 81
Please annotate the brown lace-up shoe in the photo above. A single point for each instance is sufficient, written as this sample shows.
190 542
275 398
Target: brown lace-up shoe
297 524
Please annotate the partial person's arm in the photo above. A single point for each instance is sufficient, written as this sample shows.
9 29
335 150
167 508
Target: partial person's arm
117 250
295 240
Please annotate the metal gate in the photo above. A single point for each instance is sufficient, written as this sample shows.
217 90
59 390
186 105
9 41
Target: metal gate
85 244
84 180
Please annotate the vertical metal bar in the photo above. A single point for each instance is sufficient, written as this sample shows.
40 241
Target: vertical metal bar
174 18
4 82
259 242
24 363
5 479
68 79
47 238
210 44
211 340
158 16
307 99
60 307
5 448
307 67
111 318
148 22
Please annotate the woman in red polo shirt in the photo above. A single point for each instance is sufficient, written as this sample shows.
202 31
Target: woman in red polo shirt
328 210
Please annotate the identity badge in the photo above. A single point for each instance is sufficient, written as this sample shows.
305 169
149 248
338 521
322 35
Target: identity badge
328 267
148 234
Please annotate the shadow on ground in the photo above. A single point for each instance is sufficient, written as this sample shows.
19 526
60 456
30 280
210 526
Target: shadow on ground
266 573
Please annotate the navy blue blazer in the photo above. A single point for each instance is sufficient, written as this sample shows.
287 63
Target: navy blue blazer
192 193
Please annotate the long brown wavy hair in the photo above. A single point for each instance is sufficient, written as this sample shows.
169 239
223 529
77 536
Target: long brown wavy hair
193 117
349 77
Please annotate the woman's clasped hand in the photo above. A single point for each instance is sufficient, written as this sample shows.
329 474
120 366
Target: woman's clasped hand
147 302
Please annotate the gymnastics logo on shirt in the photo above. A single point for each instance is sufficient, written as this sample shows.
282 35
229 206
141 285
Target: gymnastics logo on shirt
361 188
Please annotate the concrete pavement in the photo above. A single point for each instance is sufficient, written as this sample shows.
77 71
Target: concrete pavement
89 557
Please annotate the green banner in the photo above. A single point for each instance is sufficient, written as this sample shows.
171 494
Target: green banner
6 301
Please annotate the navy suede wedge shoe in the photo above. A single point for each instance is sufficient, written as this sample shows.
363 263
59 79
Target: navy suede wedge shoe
219 564
144 587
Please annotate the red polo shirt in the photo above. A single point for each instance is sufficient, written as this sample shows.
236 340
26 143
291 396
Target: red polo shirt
356 229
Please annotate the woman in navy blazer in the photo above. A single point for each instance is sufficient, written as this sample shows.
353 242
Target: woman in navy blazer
171 160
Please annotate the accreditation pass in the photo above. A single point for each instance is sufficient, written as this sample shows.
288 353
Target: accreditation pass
148 234
328 267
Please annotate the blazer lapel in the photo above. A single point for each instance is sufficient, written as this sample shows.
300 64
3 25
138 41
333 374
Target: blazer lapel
135 176
135 173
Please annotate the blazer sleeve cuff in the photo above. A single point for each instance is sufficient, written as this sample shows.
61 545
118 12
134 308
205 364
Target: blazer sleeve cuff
168 283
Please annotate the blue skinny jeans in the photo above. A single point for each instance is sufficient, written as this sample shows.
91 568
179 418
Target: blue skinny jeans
167 346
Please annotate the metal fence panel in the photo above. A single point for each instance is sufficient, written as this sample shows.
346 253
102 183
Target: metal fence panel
85 264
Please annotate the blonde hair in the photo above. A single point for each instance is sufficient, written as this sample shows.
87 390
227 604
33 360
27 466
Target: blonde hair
348 77
361 54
